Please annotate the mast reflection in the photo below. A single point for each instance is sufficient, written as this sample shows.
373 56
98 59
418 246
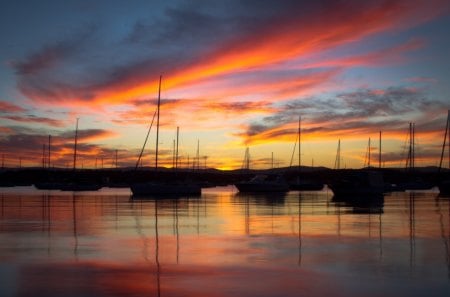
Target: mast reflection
299 229
445 238
412 232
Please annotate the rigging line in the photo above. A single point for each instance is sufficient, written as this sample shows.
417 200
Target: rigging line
445 140
145 142
403 154
293 152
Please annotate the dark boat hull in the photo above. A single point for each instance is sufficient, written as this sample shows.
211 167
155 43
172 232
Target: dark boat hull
444 188
358 183
149 189
263 184
306 186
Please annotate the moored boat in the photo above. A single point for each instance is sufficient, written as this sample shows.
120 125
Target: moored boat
301 184
358 182
264 183
155 188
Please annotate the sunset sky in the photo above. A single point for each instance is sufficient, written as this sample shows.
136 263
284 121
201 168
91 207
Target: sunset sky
235 74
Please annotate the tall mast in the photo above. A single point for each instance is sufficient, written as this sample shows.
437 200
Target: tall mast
198 154
49 149
246 162
447 133
368 157
173 155
248 158
75 147
413 155
299 143
379 153
157 123
337 162
43 156
409 159
176 153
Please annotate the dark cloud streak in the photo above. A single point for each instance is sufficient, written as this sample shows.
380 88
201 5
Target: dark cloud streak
361 111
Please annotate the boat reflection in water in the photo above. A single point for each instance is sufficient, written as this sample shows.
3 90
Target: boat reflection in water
156 189
273 198
368 203
224 243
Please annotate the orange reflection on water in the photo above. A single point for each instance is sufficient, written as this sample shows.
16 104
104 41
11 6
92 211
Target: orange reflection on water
223 243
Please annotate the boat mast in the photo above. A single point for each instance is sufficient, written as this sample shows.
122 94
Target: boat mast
447 132
173 154
49 149
157 123
198 155
75 147
410 159
43 156
337 162
246 161
299 143
379 153
413 146
176 153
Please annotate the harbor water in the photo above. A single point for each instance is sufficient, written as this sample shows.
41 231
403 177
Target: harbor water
222 243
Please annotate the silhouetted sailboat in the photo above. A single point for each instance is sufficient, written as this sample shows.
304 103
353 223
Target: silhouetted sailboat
301 184
264 183
413 183
261 183
74 184
163 188
354 183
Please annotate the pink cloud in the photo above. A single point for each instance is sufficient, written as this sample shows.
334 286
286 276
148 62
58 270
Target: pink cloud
7 107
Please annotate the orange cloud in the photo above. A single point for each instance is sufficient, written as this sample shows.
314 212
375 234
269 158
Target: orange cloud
382 57
280 41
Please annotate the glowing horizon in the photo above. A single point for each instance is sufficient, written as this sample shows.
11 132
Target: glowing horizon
234 76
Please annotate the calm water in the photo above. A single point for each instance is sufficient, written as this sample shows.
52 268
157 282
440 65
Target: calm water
222 244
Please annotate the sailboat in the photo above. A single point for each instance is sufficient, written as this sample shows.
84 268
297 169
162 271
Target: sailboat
74 184
303 184
413 183
261 183
157 188
355 184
